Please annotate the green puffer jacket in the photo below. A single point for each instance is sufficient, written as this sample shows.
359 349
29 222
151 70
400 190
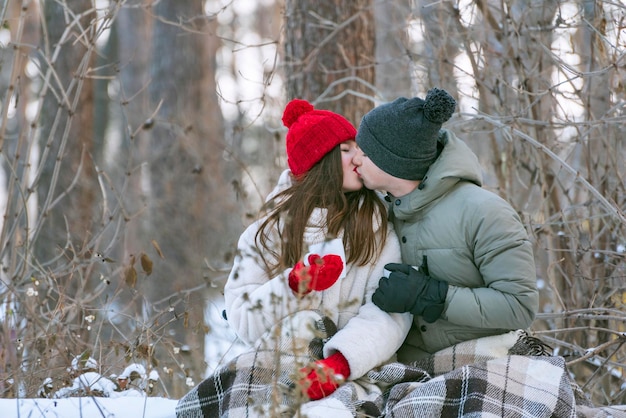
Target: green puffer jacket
474 240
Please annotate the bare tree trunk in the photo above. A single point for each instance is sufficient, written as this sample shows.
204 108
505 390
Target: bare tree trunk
394 66
330 54
192 207
125 102
66 132
599 142
437 52
68 127
14 166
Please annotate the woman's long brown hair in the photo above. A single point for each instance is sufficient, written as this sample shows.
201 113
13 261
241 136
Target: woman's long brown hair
321 187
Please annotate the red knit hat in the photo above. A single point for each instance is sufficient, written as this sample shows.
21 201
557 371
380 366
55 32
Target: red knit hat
312 134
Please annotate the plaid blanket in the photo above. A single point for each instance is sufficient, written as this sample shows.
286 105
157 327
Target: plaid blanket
510 375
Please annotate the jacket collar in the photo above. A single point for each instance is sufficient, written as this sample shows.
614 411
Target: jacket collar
456 163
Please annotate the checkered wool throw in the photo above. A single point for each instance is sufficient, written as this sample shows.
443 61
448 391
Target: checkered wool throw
509 375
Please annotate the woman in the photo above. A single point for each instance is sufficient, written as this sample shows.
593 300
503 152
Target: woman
312 262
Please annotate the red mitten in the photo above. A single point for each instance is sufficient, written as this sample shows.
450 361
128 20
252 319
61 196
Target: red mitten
320 274
326 376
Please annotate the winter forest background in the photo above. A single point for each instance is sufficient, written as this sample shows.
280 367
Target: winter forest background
139 137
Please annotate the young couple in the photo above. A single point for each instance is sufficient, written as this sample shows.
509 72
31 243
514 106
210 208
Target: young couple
344 281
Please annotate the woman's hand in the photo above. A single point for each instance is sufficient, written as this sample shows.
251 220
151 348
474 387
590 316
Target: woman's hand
325 376
320 273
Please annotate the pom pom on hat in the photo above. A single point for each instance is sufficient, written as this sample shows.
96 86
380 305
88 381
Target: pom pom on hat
401 137
438 106
294 110
312 134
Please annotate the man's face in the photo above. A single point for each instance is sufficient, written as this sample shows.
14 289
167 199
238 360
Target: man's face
373 177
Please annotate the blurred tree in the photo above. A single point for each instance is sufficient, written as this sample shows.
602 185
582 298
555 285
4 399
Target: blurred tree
192 213
123 67
67 185
14 150
596 274
67 126
437 50
330 54
394 65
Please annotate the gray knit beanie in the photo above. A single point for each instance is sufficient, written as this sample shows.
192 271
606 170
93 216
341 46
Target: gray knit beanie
401 137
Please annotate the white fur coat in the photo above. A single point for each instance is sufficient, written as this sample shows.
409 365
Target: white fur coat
366 336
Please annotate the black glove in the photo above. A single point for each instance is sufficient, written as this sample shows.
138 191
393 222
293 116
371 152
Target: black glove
410 290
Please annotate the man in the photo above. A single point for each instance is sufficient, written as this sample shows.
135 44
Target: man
469 269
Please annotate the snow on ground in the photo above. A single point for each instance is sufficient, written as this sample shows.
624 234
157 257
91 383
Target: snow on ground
64 402
89 407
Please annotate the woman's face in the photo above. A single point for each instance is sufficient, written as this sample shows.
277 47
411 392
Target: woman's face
351 180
